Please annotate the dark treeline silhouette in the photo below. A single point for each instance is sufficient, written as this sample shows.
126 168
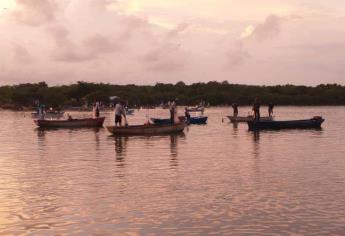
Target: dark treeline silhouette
214 93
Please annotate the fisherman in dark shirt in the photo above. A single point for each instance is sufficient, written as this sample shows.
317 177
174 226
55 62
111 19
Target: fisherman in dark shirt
256 109
270 109
235 107
187 115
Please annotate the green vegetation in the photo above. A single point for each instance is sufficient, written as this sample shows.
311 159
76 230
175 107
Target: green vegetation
214 93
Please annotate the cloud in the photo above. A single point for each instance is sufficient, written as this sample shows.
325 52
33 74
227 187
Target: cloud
116 42
102 4
167 54
133 25
177 30
21 55
237 55
267 30
90 48
35 12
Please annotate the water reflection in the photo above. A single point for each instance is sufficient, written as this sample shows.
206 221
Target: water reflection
235 125
174 139
173 146
256 136
120 147
217 179
97 139
256 143
173 151
120 155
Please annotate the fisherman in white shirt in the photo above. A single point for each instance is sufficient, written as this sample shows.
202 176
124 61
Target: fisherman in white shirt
96 110
119 112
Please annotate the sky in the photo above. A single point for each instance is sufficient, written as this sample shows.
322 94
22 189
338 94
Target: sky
261 42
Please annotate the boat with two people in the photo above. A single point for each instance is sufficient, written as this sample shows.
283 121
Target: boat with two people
312 123
95 121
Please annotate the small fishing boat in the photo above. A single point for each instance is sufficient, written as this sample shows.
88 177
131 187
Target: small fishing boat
239 119
49 115
71 123
159 121
196 120
315 122
149 129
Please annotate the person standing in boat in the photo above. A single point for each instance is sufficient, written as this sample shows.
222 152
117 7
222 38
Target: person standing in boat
41 112
235 108
172 111
256 109
270 109
119 112
96 110
187 115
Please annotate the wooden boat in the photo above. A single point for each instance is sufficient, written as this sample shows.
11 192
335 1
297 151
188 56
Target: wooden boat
238 119
150 129
49 115
71 123
315 122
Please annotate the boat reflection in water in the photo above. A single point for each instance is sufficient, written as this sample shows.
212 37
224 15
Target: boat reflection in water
168 142
174 139
120 147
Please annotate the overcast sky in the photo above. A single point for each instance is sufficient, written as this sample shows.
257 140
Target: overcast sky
262 42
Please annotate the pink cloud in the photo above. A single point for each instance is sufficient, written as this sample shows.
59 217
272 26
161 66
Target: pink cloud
35 12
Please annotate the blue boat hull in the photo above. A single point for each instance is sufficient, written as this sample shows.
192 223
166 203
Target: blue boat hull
200 120
193 120
291 124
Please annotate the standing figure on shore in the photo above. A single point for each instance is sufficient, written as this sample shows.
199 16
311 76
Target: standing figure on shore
270 109
119 112
256 109
96 110
172 111
235 108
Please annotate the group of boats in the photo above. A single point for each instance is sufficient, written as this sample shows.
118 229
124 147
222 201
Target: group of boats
165 126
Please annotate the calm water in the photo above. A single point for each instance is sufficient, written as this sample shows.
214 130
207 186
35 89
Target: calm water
214 179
